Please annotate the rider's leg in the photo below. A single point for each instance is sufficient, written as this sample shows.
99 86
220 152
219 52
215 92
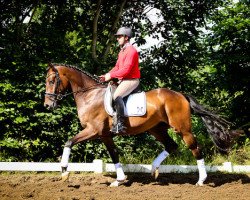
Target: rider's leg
124 89
119 127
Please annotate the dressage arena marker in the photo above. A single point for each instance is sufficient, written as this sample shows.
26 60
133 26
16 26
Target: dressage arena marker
99 167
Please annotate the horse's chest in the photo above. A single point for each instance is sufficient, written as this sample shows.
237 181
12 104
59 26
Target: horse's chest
89 109
83 113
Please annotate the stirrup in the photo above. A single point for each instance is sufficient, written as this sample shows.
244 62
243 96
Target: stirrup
118 128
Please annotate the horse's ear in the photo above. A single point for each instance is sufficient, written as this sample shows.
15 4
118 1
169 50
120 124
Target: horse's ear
50 65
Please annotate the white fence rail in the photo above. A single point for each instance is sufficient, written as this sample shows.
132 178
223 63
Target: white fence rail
99 167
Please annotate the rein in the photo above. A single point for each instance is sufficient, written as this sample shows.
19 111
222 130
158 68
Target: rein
60 96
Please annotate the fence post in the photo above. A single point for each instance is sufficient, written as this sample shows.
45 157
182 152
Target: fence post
228 166
98 166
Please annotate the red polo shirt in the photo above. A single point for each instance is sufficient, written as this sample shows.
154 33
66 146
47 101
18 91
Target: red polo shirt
127 65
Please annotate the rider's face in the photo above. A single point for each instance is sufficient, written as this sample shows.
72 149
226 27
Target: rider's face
122 39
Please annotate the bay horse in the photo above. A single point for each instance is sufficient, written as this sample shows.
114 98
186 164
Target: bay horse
165 109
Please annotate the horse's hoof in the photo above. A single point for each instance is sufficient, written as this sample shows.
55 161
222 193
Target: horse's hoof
155 173
118 183
201 180
199 183
114 184
65 176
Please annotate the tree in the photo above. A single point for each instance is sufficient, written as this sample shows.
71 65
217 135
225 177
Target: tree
228 44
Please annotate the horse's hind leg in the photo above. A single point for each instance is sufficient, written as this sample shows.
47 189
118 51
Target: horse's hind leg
182 125
109 143
160 133
191 142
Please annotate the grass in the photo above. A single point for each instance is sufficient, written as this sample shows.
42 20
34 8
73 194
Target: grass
238 156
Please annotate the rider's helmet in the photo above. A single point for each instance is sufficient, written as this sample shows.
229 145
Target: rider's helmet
124 31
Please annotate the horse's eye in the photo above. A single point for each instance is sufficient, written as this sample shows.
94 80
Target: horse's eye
51 82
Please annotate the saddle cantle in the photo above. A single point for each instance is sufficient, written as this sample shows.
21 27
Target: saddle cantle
135 103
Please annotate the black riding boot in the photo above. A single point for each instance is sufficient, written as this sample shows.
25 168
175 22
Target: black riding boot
118 118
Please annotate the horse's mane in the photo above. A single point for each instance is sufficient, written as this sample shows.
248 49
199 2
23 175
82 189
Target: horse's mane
94 77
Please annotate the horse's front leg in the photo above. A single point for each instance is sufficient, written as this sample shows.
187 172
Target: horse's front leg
65 159
121 177
87 133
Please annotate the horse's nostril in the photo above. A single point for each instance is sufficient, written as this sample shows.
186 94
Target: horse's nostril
50 106
47 106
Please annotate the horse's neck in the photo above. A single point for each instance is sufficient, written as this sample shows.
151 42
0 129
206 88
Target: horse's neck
79 81
84 88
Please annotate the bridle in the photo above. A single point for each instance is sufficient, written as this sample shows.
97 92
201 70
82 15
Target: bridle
59 96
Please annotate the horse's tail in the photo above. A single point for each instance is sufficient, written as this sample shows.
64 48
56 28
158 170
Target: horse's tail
217 127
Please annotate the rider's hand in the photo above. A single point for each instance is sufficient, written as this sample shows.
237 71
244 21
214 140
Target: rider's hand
105 77
102 78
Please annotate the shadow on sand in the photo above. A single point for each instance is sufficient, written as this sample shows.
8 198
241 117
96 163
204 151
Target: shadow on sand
214 179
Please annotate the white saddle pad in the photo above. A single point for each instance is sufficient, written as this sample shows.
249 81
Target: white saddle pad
134 106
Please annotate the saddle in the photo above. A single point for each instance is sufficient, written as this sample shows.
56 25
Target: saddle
135 102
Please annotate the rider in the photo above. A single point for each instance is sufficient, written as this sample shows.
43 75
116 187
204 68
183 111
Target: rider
127 71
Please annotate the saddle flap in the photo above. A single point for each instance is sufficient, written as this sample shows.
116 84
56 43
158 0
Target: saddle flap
135 104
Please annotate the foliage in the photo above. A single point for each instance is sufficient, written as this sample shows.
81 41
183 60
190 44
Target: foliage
207 64
228 45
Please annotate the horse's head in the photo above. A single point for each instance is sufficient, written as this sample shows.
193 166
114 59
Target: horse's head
55 87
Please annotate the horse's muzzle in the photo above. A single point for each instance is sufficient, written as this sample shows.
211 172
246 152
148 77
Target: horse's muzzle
51 105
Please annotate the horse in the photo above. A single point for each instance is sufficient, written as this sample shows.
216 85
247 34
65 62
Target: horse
165 109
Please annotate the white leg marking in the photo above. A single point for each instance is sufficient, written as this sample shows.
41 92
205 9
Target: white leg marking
65 157
202 172
121 177
157 162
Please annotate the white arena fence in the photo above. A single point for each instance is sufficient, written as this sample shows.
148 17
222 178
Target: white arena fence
98 166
